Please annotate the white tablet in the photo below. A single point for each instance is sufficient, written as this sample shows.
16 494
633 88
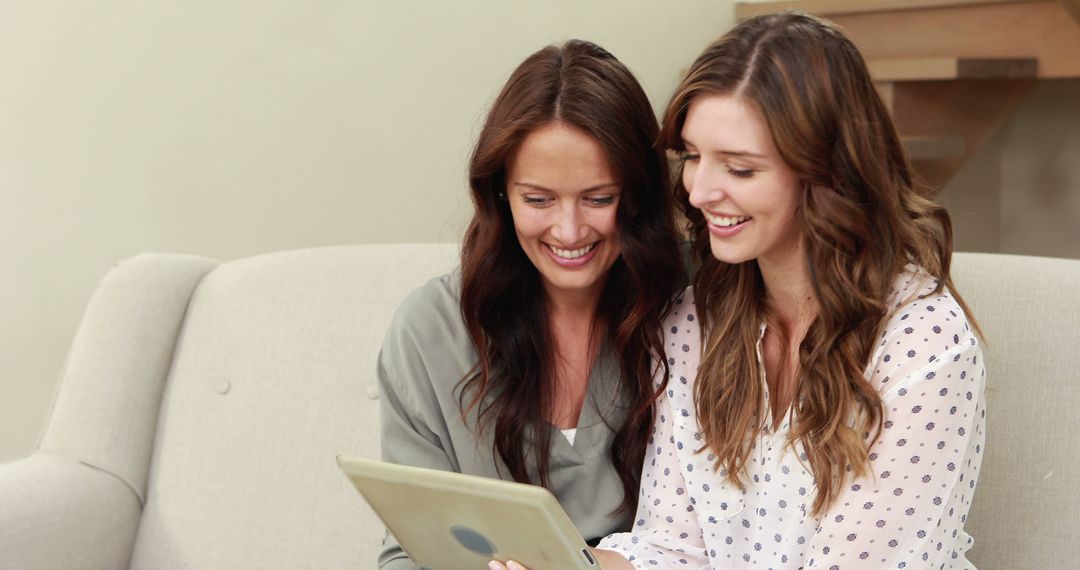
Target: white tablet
451 521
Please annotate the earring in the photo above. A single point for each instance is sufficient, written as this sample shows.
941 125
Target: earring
502 196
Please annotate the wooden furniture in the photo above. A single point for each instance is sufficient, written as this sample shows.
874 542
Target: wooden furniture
952 71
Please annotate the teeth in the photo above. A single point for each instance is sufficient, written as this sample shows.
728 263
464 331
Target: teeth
725 221
572 253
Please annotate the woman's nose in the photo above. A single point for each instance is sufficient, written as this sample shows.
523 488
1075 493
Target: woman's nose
570 228
705 184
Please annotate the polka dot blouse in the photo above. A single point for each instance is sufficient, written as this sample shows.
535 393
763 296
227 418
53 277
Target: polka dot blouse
909 512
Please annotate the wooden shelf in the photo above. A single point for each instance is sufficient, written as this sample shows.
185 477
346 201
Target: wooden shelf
1044 30
947 68
1031 30
744 10
951 71
1073 8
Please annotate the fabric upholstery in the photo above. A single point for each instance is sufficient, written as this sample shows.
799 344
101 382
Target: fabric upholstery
106 411
59 514
236 398
272 380
1026 506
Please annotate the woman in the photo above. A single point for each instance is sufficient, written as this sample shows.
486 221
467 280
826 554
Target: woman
825 405
531 361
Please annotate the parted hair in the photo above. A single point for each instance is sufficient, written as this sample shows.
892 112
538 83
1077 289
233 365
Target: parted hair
862 222
503 301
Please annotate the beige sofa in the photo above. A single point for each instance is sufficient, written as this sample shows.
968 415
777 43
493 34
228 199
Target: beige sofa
202 406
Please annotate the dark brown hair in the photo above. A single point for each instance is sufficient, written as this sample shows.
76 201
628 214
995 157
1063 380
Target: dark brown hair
862 221
503 302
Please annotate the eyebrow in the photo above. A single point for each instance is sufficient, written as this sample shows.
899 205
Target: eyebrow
741 153
589 189
738 153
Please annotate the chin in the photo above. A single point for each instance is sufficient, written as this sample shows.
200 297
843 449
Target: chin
562 283
730 257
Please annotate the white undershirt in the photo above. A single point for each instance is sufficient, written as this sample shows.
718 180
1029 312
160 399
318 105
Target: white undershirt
570 434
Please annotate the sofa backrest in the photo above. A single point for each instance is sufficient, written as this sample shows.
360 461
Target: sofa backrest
110 390
273 376
1025 508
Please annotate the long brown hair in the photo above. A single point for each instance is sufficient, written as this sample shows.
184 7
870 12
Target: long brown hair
862 221
503 302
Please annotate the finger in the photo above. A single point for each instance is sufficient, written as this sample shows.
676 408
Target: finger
511 565
496 565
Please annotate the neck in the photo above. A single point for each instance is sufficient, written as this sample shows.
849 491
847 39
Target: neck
573 306
574 331
573 320
789 293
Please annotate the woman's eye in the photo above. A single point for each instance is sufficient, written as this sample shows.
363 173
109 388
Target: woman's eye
687 156
601 200
535 200
737 173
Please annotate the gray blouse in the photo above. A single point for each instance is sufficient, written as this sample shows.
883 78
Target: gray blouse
425 355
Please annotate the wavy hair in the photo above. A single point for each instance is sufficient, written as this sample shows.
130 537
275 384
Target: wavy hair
862 222
503 302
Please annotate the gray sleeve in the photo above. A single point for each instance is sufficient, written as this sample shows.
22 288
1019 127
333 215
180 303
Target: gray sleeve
406 415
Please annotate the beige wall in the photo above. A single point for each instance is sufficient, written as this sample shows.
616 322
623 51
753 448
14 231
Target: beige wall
231 128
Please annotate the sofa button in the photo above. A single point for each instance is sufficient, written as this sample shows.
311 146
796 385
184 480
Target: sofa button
373 392
224 387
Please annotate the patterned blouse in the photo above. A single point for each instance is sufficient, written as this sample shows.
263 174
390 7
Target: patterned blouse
909 512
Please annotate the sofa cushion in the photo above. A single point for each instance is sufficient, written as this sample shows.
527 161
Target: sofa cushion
1024 511
272 378
57 512
107 408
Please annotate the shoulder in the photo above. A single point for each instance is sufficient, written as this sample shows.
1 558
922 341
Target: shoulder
682 338
427 326
925 329
682 315
681 327
917 308
439 299
435 293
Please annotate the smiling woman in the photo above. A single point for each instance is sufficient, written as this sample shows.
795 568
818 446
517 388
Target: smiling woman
563 199
744 189
533 361
830 411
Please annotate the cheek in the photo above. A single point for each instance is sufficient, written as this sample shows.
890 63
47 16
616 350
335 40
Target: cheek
604 222
688 176
778 197
526 223
787 215
794 195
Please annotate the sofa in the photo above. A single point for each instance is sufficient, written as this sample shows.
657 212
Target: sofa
202 406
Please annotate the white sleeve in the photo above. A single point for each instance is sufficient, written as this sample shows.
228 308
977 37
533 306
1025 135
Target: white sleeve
913 504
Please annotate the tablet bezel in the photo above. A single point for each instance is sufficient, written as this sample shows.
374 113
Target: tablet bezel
419 506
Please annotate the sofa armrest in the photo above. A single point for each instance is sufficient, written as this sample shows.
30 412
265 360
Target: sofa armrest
57 513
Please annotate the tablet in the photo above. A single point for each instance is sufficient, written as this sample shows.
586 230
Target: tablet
451 521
